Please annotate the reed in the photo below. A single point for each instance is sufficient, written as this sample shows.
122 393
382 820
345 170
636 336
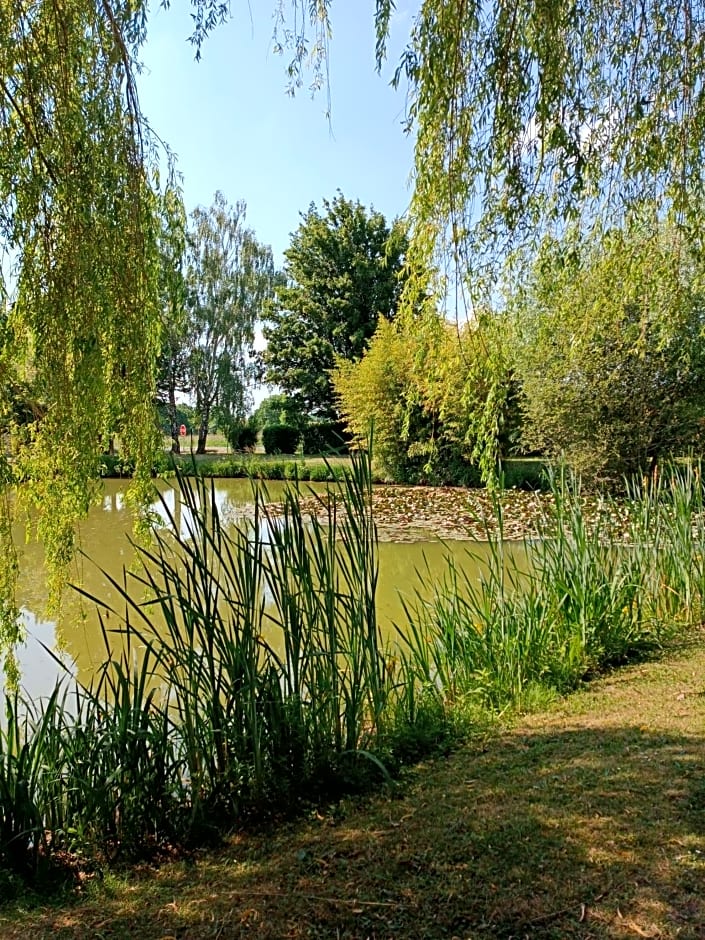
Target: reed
265 635
594 590
247 674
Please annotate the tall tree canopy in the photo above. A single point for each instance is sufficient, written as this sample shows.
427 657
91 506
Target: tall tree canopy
342 272
527 113
229 278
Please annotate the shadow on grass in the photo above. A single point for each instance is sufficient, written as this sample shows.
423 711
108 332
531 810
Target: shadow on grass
575 833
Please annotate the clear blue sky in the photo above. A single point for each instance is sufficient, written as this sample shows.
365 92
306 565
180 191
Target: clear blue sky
234 128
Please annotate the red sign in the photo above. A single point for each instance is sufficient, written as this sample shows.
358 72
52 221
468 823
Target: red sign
182 430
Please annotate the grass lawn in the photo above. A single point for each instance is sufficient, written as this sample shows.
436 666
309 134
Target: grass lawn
217 449
584 821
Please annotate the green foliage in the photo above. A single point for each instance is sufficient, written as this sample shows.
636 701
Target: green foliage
586 596
241 435
279 409
280 439
610 350
78 229
256 720
373 393
229 277
526 114
440 399
26 740
525 474
221 706
342 273
325 437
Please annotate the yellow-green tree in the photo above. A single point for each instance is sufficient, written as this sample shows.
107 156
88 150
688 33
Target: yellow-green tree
77 227
440 400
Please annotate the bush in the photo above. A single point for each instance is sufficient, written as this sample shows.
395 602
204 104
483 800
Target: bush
241 436
280 439
325 437
526 474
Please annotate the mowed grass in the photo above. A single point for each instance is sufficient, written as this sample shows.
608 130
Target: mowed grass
217 446
583 821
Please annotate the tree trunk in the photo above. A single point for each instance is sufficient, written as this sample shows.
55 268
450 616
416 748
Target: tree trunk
175 442
203 432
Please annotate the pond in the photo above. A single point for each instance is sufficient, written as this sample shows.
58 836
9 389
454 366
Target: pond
105 541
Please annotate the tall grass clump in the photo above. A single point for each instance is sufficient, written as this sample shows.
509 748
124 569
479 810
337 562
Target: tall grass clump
265 638
667 515
123 787
606 580
247 676
28 782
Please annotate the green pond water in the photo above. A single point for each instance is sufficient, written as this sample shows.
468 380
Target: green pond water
105 540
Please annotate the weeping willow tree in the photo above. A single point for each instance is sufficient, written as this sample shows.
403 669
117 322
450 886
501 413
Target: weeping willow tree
79 281
78 234
531 112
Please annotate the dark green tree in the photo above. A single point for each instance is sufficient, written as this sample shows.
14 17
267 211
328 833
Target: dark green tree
343 271
278 409
229 278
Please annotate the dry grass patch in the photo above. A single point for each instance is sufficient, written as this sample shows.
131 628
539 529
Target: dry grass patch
584 822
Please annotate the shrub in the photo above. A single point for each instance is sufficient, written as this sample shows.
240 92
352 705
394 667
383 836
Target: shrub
609 351
325 437
241 435
280 439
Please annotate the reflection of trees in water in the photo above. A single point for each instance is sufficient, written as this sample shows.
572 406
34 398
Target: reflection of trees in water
105 540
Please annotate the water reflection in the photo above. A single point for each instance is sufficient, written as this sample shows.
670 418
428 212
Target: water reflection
38 666
105 541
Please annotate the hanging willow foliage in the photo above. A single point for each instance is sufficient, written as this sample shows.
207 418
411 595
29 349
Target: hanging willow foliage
528 112
79 318
78 232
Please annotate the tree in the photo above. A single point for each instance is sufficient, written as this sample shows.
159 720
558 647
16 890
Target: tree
529 113
610 349
172 376
433 395
342 273
229 278
77 224
278 409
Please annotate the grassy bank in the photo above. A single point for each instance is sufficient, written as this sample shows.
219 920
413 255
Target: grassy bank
207 726
526 474
582 822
